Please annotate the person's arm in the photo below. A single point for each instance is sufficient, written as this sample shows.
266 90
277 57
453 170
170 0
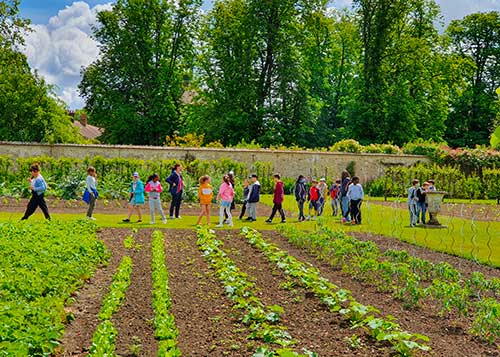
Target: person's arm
362 192
148 187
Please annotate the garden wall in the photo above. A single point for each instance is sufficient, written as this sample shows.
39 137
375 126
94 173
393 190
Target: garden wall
287 163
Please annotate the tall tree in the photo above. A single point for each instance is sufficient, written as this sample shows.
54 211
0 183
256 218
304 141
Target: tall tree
134 89
477 39
28 108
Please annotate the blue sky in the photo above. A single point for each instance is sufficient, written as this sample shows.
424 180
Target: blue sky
61 44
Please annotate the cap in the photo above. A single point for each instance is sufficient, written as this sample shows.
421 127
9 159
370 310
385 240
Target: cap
322 179
136 174
231 172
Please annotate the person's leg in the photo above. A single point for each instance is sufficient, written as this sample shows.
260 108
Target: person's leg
207 210
252 211
243 210
157 204
201 214
31 208
152 210
139 213
172 206
43 206
178 204
273 212
282 212
229 216
300 203
353 209
90 210
356 211
359 212
221 215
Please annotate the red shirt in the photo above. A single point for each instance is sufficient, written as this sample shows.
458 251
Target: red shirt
279 193
313 193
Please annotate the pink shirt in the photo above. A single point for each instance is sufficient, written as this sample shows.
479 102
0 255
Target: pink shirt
226 192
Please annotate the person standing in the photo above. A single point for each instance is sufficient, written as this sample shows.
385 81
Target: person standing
355 194
38 186
323 193
335 197
246 189
421 205
176 189
253 197
300 191
412 202
279 196
91 183
136 197
225 195
154 189
313 198
344 200
205 194
232 180
431 187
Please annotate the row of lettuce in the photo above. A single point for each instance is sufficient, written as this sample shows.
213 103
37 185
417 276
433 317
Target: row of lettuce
66 176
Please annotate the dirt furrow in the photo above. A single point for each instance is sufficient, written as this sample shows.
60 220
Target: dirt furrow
134 319
308 321
207 324
447 337
78 334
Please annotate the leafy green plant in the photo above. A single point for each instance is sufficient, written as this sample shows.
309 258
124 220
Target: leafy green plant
165 330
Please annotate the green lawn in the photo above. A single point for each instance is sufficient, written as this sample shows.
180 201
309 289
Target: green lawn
471 239
466 238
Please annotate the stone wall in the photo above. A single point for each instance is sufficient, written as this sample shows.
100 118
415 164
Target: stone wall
287 163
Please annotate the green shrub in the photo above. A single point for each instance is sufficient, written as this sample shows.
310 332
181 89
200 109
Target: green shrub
347 145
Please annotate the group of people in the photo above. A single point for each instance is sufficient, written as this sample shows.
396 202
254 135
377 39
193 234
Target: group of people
417 204
346 196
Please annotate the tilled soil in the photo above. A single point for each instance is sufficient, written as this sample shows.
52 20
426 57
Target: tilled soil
307 320
208 326
448 336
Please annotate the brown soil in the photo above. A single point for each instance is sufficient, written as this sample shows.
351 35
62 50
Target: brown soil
448 335
461 210
209 326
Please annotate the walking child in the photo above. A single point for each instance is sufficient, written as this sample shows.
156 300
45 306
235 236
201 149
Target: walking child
154 189
136 199
412 202
355 194
91 191
279 195
335 197
246 189
344 200
205 195
313 198
323 193
38 188
253 197
300 191
225 195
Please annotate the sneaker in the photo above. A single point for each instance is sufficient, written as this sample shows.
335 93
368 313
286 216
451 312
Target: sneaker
172 217
164 221
139 220
342 220
178 217
268 221
353 222
220 225
248 219
152 222
283 221
126 220
91 218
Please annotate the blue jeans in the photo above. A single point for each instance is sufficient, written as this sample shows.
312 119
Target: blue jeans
345 208
421 210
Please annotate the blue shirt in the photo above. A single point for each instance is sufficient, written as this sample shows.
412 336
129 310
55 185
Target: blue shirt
355 192
38 185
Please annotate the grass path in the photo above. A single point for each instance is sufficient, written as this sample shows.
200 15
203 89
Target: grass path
462 237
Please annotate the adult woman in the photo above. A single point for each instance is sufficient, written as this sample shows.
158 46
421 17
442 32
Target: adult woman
176 188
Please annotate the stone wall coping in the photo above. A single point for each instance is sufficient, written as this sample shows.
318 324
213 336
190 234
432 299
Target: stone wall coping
206 149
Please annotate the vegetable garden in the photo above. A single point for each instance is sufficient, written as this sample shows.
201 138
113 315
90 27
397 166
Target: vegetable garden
316 288
284 292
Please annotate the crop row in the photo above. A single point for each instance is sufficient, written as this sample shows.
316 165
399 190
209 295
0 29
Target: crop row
103 340
165 330
263 321
408 278
339 300
41 265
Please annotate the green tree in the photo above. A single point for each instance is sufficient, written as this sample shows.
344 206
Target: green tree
475 38
403 89
134 90
28 108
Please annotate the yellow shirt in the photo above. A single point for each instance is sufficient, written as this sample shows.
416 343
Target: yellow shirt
205 193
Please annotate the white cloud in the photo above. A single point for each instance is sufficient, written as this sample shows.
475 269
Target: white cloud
61 48
457 9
